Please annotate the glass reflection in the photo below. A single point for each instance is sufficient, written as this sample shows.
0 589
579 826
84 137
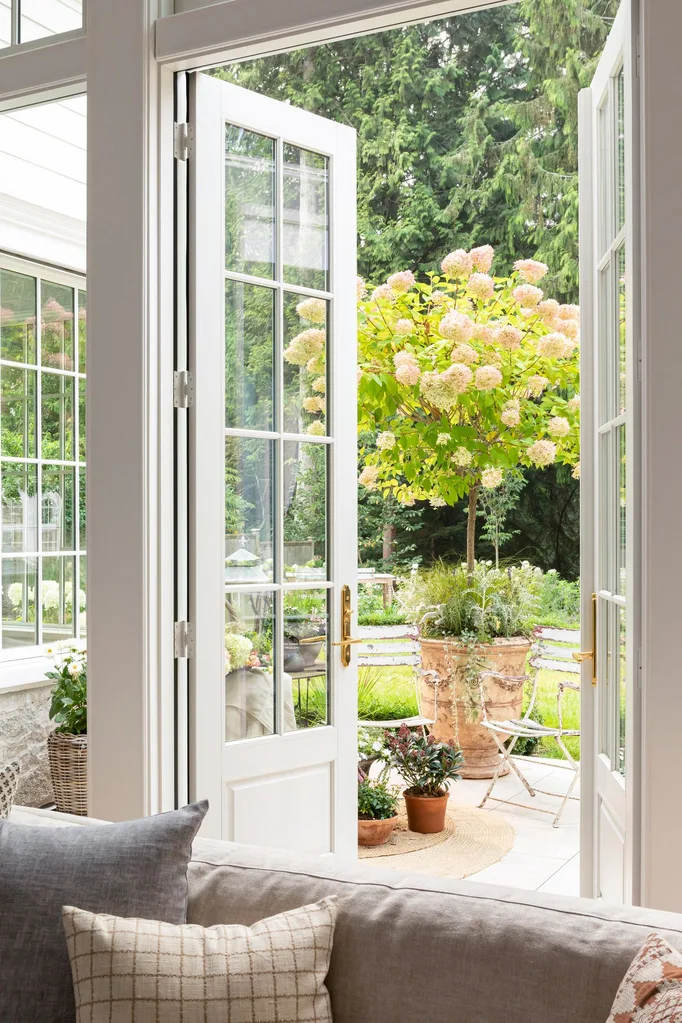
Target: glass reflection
306 218
305 510
249 202
306 627
249 356
305 375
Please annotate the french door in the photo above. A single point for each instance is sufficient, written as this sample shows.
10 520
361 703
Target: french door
610 524
272 470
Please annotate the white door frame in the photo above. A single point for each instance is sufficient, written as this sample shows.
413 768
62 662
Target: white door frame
130 262
607 799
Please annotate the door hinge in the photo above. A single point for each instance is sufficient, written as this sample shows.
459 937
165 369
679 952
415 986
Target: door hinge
183 140
183 388
184 639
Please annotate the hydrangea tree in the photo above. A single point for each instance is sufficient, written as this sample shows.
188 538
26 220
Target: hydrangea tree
465 378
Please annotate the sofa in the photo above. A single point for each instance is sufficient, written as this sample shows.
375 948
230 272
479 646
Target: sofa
412 948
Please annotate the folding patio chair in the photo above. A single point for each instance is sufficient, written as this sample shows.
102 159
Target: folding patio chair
514 729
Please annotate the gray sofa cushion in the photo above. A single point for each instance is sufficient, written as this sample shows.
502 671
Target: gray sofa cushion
138 868
410 948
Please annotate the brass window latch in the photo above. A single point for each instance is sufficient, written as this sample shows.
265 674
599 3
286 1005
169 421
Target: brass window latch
346 641
585 655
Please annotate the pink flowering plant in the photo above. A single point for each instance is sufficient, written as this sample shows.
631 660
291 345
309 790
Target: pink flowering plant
424 764
464 378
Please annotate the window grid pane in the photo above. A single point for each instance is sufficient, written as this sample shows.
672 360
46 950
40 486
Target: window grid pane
24 20
42 457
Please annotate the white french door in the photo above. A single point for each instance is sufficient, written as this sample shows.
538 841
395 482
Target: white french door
611 574
272 470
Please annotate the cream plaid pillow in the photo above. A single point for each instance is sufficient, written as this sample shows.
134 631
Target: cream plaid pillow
145 971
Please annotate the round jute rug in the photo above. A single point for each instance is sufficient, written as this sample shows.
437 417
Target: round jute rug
473 839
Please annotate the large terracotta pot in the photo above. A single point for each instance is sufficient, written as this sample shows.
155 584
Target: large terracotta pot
426 814
375 832
449 702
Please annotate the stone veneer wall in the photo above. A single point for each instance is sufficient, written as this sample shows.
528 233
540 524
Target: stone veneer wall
24 726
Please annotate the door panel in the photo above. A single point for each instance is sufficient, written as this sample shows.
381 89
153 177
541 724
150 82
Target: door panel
272 469
610 560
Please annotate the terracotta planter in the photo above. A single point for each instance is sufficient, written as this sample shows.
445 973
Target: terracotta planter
68 759
449 702
426 814
375 832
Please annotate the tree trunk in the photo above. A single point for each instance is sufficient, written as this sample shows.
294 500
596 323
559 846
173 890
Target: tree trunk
471 529
389 541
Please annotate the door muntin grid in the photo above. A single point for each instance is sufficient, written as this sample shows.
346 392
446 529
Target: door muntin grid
278 452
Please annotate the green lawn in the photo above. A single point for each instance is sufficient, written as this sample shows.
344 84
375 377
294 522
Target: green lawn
389 693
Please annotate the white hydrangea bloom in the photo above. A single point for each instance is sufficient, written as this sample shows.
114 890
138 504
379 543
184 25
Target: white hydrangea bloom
491 478
482 286
558 426
312 309
369 476
482 257
487 377
574 403
316 429
507 336
456 326
531 270
528 295
537 384
305 346
457 264
386 440
552 346
443 439
404 326
384 293
320 384
511 413
462 457
437 502
401 281
576 471
542 452
464 353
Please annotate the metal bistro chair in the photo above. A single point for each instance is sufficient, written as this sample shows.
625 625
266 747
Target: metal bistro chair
514 729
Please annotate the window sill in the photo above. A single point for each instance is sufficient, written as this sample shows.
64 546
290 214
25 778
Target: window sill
27 672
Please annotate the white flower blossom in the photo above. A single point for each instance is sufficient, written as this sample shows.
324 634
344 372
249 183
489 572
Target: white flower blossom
531 270
384 293
491 478
316 429
542 452
437 502
552 346
487 377
576 471
369 476
312 309
507 337
401 281
464 353
482 286
386 440
404 326
511 413
537 384
462 457
456 326
482 257
528 295
574 403
457 264
442 439
558 426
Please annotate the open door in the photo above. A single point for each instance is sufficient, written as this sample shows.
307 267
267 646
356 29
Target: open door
272 470
610 521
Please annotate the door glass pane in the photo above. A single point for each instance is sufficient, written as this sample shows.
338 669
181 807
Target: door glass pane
306 628
19 507
18 602
249 495
620 147
82 331
18 412
57 517
622 512
17 316
622 329
603 637
82 599
604 505
5 23
249 202
56 593
249 356
305 238
305 376
305 510
56 331
622 699
56 408
249 665
605 361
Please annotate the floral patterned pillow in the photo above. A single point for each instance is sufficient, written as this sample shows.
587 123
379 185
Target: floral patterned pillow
9 779
651 991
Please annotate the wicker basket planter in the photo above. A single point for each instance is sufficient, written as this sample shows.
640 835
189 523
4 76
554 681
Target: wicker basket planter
68 759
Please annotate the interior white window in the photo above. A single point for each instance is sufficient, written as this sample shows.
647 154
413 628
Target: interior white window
23 21
42 456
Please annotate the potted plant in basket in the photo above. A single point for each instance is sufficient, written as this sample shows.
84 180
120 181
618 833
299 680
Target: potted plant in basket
471 622
377 811
67 745
425 765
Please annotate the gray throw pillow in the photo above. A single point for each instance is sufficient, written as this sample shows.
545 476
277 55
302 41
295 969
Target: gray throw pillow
138 868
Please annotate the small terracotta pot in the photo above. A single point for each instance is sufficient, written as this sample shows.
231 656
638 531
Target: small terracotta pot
426 814
375 832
